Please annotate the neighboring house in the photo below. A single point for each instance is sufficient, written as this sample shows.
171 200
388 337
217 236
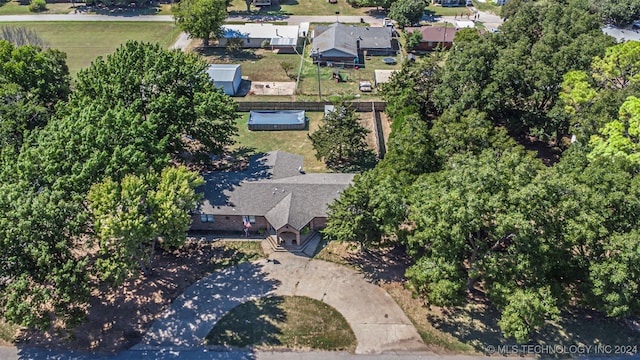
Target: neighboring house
382 76
347 45
434 37
283 38
273 196
226 76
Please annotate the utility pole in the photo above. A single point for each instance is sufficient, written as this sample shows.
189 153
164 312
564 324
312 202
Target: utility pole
318 58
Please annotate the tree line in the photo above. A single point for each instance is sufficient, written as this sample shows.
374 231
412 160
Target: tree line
534 232
93 178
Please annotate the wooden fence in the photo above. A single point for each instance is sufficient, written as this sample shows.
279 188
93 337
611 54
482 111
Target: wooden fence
360 106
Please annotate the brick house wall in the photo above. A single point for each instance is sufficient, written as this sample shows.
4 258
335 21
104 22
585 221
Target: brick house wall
227 223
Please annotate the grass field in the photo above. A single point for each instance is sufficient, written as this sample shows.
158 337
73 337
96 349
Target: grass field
257 65
14 8
305 7
85 41
293 141
447 11
291 322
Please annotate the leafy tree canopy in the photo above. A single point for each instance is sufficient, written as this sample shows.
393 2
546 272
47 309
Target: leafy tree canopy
201 19
407 12
341 141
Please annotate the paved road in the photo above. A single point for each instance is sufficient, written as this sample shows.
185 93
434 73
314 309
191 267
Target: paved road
490 20
377 321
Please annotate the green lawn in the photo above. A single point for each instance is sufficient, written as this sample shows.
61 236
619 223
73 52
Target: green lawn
14 8
236 252
84 41
488 6
293 141
292 322
447 11
254 62
305 7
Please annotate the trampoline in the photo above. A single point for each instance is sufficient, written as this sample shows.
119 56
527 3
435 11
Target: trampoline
277 120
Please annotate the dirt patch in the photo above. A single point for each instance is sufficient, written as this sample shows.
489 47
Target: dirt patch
118 317
272 88
367 122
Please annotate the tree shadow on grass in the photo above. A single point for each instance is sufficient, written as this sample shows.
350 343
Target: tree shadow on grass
252 323
221 55
383 264
477 325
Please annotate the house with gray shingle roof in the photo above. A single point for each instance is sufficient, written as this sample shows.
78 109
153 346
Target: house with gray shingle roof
347 44
272 194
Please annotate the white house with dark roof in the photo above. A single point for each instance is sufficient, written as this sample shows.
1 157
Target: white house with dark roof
273 194
284 38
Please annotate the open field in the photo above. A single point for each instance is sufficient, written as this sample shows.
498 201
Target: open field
305 7
473 327
85 41
290 322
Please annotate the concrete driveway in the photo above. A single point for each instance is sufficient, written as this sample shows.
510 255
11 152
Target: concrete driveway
379 324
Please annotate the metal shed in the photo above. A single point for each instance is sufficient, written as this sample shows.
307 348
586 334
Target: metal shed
226 76
277 120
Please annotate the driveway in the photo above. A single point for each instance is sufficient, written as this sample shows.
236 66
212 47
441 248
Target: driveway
379 324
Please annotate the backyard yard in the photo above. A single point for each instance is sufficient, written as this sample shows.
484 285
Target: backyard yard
257 64
85 41
351 78
293 141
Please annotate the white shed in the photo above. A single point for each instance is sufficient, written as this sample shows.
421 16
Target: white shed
226 76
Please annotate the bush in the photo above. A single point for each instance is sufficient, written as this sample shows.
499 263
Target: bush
37 5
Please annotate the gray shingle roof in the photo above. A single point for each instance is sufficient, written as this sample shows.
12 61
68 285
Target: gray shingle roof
344 38
272 187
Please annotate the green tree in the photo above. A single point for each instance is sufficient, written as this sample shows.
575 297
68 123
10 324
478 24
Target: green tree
169 89
19 113
616 12
287 66
411 90
138 213
618 139
200 18
340 141
43 75
526 311
412 39
620 66
407 12
464 214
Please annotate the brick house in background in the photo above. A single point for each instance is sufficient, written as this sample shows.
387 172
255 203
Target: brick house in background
434 37
272 195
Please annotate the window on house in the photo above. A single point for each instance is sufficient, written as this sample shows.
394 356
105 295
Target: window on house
206 218
252 219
